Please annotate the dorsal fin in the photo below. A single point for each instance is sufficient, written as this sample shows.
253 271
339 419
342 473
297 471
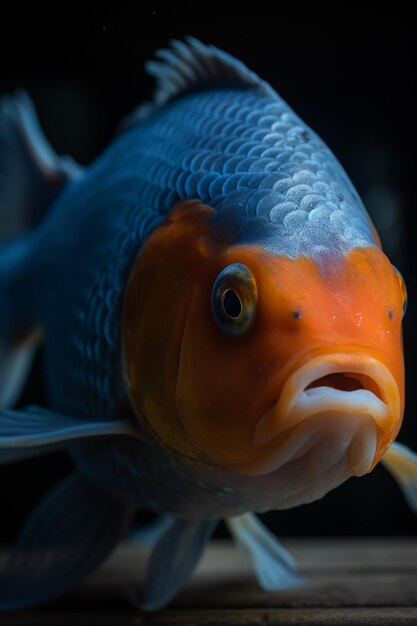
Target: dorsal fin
194 66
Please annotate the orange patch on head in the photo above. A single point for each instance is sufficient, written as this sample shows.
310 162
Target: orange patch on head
202 391
156 306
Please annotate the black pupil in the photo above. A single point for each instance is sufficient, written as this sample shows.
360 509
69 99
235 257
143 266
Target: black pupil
231 303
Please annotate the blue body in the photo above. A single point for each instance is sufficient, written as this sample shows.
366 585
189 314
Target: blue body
248 155
216 133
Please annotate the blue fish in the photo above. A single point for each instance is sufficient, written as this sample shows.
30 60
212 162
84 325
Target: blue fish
221 329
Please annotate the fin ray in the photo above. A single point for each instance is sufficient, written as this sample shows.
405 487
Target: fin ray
68 536
31 176
15 365
36 430
274 566
31 173
172 561
192 66
149 534
401 462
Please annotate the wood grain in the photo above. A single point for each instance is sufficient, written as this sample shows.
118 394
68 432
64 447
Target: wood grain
358 581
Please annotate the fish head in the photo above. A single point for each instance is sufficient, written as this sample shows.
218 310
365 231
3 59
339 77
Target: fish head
250 361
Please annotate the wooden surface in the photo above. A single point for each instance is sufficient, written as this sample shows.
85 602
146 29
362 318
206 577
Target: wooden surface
350 582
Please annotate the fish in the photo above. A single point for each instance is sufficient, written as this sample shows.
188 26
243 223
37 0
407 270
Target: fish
221 330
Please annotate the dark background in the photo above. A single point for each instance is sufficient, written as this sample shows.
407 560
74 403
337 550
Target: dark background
350 75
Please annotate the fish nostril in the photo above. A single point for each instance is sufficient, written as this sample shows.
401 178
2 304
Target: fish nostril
347 381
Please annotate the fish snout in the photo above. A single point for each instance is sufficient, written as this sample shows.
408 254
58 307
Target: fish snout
355 396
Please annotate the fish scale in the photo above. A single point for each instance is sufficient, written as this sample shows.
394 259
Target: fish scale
208 430
228 175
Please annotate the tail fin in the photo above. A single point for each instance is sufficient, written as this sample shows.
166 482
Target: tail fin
31 176
31 173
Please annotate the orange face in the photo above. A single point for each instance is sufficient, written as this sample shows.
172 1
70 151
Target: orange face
246 360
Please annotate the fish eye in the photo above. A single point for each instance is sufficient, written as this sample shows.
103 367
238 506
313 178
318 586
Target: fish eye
234 300
231 303
403 289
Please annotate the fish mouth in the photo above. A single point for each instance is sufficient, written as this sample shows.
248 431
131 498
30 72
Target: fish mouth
352 396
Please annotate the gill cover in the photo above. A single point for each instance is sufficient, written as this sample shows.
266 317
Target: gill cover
214 332
158 295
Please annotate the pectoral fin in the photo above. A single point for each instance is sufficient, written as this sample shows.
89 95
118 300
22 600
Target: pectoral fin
401 462
67 537
35 430
149 534
15 364
274 566
172 562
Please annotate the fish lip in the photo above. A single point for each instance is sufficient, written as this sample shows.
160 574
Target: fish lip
296 403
